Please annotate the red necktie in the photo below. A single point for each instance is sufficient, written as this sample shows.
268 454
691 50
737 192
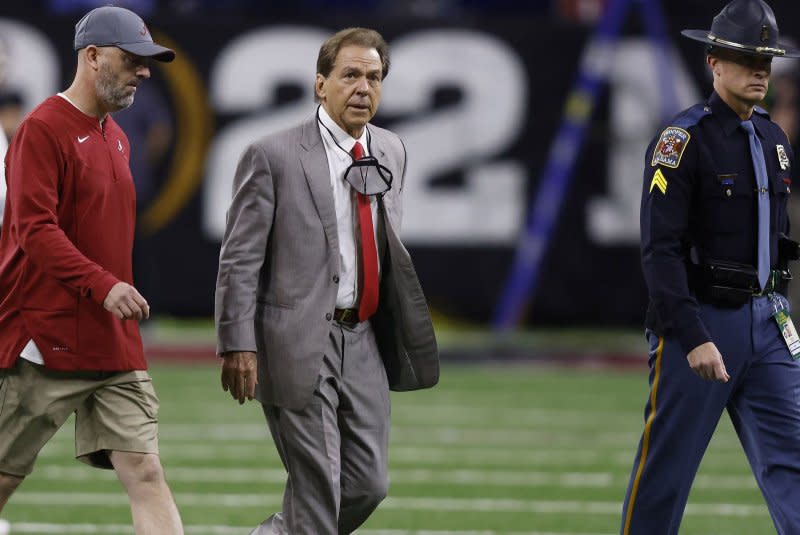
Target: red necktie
368 259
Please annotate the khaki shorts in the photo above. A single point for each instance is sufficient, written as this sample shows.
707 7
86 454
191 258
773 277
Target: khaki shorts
114 411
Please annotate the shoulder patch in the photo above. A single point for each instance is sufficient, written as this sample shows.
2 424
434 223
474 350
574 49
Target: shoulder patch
669 149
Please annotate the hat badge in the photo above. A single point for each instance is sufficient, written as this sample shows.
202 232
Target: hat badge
144 31
764 34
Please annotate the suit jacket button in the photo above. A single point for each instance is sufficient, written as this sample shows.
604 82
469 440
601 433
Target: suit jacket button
336 279
328 316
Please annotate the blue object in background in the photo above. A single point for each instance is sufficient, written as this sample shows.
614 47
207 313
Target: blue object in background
581 102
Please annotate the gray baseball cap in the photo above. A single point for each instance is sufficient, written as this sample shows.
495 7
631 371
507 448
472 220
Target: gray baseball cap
120 27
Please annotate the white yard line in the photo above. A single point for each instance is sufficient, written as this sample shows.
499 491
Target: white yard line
488 505
498 478
488 436
515 436
521 457
451 412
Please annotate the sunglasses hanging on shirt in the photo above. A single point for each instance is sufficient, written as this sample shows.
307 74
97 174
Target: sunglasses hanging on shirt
366 175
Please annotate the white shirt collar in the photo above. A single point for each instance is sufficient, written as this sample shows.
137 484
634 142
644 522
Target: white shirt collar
65 97
340 136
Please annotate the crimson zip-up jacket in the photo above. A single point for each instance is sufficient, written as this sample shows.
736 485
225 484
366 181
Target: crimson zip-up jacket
67 238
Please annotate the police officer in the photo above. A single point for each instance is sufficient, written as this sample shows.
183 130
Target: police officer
714 255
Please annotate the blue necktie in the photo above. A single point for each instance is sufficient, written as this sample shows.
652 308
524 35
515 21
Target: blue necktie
760 168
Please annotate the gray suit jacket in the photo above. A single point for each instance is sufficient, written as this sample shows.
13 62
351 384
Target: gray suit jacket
279 265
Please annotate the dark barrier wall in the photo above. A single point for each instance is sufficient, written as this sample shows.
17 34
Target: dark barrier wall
478 103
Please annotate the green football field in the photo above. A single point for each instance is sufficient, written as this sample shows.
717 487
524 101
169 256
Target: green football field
493 449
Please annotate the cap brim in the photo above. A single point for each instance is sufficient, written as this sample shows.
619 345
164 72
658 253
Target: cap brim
698 35
149 50
702 36
791 52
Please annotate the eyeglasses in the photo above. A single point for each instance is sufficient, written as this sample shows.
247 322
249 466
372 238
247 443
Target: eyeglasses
368 176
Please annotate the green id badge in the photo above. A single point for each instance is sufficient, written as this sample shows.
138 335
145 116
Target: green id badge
789 333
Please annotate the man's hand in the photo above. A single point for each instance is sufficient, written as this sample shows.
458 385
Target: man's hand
239 374
706 361
126 303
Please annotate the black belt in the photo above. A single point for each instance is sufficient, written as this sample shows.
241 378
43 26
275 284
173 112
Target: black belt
729 290
346 316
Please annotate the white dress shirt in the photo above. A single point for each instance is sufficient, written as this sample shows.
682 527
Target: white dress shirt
339 159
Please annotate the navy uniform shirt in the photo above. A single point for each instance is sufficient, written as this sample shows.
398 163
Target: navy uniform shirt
700 195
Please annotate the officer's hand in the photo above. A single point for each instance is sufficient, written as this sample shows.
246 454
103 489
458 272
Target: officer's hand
126 303
239 374
706 361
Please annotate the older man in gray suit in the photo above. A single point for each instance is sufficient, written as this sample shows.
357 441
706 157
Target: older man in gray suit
319 311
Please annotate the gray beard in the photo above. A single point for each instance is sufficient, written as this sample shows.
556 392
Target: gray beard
109 93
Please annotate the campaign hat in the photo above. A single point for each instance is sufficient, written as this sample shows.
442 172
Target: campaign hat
120 27
747 26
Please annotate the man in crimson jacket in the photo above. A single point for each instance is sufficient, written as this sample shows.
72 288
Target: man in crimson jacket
69 334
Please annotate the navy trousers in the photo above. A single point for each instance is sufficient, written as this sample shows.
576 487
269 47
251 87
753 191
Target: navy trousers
763 401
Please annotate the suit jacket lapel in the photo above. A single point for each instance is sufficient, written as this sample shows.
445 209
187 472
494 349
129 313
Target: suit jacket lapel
315 166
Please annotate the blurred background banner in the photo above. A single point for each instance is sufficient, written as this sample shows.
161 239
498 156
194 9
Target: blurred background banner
478 90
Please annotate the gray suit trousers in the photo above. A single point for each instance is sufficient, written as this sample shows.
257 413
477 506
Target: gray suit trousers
335 449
